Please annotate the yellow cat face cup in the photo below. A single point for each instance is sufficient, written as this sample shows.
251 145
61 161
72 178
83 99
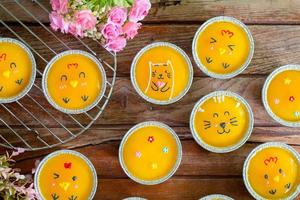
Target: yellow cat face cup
161 73
66 175
281 95
17 70
272 172
74 81
221 121
223 47
150 153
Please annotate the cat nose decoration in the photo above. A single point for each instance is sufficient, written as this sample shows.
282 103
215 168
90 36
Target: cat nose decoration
223 124
276 179
64 185
222 51
74 83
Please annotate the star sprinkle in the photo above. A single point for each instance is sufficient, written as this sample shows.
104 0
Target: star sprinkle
150 139
154 165
138 154
292 98
287 81
276 101
165 150
297 114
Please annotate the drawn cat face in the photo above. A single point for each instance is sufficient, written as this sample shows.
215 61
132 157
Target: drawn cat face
273 172
221 121
161 76
223 47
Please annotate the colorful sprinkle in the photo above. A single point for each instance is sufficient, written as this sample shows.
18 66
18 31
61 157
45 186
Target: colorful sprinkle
138 154
297 114
292 98
68 165
150 139
276 101
166 150
154 165
287 81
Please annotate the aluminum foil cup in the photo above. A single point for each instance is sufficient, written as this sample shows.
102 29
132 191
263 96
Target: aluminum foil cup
134 198
203 27
253 153
45 78
56 153
265 90
216 196
223 149
33 70
130 132
137 88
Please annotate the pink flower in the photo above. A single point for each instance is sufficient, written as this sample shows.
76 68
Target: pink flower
116 44
57 22
139 10
19 151
111 31
76 30
117 15
86 19
130 29
61 6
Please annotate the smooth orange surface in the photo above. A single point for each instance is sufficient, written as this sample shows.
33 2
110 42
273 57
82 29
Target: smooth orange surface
162 73
274 173
74 82
15 70
283 95
223 47
65 176
148 160
221 121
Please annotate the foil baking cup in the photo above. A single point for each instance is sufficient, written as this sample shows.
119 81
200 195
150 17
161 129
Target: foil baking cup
134 198
203 27
265 92
33 70
221 149
137 88
130 132
56 153
253 153
45 78
216 196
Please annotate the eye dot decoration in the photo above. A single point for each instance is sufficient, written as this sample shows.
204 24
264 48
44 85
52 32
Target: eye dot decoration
74 81
17 71
161 73
157 157
281 95
223 47
67 168
221 121
271 171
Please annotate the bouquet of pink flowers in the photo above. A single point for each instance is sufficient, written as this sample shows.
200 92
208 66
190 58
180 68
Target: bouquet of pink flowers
112 22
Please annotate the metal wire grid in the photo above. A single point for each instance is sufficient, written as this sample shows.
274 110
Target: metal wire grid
36 134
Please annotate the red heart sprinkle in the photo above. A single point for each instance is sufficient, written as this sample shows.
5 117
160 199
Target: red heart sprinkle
68 165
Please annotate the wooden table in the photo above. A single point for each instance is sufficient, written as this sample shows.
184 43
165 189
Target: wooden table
275 25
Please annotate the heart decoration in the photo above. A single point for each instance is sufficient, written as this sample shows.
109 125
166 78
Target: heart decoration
160 84
68 165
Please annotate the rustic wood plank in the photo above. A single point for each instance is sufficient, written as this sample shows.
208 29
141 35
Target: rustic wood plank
255 11
274 45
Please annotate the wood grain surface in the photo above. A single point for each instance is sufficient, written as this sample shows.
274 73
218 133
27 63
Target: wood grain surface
275 25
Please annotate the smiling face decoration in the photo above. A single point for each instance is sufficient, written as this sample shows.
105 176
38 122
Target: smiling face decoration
221 121
74 82
66 176
223 47
161 73
273 173
17 70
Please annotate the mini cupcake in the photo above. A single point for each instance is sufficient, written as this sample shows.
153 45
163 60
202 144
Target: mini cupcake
161 73
17 72
221 121
223 47
271 171
216 197
65 174
281 95
74 82
150 153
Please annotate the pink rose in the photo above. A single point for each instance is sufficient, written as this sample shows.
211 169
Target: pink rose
117 15
57 22
86 19
139 10
116 44
130 29
60 6
76 29
111 31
